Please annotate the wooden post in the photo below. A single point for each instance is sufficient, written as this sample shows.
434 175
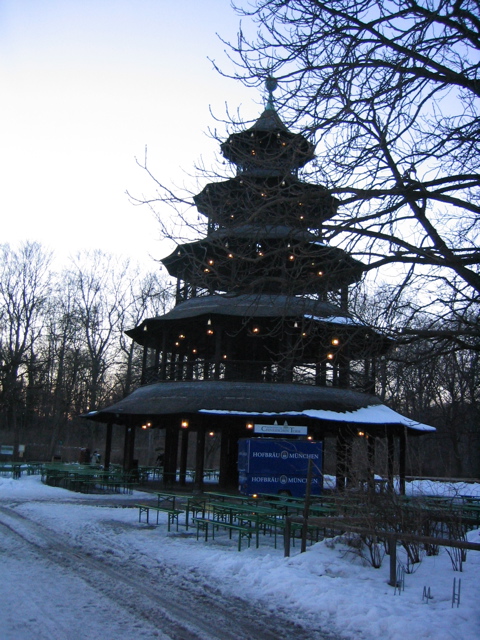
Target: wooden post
183 457
218 353
131 448
108 446
144 365
371 462
224 448
163 367
402 461
390 460
286 537
306 509
199 459
170 456
125 447
392 547
341 461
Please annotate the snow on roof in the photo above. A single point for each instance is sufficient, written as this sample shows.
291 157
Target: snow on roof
335 319
373 414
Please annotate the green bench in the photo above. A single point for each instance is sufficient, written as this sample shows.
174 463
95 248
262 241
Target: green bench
172 513
203 525
244 530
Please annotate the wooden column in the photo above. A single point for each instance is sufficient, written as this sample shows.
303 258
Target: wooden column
108 446
199 459
131 452
183 457
128 448
341 466
390 460
371 462
232 467
224 445
218 353
170 456
163 368
144 365
349 458
402 459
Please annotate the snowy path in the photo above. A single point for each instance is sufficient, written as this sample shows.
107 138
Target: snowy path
108 593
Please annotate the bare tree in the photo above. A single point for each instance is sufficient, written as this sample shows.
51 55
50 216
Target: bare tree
145 296
98 280
390 91
24 288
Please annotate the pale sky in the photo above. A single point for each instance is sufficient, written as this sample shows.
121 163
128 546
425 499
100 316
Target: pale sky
86 84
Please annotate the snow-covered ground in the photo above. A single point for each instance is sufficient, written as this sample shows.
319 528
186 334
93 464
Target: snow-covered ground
77 594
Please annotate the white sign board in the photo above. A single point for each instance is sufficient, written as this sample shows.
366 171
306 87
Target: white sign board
6 450
280 429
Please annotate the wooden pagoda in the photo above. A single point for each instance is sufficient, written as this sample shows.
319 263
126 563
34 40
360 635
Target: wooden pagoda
261 329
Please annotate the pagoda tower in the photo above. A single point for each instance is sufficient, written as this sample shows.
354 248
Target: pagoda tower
261 324
262 298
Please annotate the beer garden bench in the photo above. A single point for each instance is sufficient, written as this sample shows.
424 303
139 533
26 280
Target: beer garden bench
172 513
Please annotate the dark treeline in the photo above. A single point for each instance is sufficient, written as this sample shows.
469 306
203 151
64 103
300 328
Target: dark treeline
63 350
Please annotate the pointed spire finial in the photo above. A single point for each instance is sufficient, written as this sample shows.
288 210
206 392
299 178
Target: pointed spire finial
271 84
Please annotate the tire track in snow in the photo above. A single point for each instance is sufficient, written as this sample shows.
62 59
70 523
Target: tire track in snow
157 595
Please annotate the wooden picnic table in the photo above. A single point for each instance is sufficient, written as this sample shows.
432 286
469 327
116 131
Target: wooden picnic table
166 498
12 468
234 498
